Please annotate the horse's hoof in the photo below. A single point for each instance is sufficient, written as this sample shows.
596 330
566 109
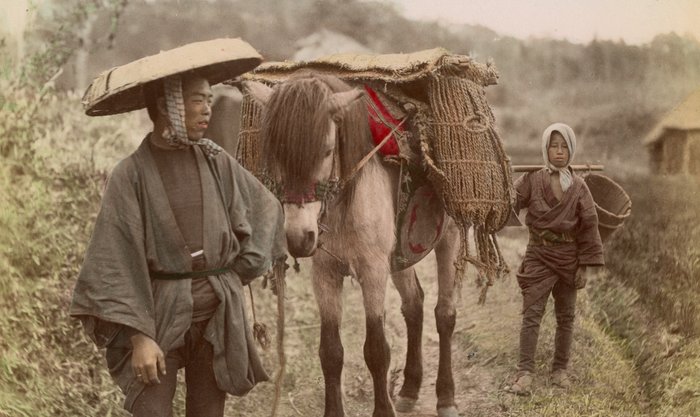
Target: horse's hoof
450 411
405 404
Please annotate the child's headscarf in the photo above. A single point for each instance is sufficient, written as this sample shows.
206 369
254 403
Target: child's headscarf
565 176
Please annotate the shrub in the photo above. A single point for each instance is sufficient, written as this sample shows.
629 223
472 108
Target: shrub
52 167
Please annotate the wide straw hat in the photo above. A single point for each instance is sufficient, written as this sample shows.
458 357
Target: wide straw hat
120 89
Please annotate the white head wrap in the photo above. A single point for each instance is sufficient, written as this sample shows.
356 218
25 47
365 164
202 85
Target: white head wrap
565 176
176 133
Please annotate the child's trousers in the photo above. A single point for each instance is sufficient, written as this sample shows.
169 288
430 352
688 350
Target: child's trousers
564 308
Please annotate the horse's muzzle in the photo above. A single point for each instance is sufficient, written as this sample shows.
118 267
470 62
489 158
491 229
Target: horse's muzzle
302 246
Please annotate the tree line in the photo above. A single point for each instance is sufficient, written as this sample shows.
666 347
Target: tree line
105 33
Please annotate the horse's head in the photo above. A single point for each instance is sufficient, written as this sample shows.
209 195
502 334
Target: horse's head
306 151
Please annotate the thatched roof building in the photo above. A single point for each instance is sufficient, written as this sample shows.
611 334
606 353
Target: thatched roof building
674 144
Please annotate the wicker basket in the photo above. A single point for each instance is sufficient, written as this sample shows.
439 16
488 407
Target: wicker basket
612 203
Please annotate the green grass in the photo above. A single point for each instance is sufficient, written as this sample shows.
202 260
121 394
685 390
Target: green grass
605 380
648 299
658 251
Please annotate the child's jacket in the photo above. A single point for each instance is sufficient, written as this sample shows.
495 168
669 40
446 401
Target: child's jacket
564 234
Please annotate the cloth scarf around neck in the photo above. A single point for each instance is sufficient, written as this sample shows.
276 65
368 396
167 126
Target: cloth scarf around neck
565 174
176 133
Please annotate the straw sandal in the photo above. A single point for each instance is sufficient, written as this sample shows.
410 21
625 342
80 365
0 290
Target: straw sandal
560 378
522 384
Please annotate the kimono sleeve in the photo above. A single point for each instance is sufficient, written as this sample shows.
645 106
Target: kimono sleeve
523 186
113 288
257 220
588 242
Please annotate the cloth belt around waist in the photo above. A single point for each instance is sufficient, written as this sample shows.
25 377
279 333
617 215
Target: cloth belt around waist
187 275
545 237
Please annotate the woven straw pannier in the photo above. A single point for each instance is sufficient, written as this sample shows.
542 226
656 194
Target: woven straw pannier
612 203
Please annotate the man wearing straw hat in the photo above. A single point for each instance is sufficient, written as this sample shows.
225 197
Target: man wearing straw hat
181 229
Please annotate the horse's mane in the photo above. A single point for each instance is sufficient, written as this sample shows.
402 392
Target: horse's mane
295 125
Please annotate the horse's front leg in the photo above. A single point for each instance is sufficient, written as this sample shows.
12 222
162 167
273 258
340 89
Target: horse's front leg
412 297
328 287
376 349
446 253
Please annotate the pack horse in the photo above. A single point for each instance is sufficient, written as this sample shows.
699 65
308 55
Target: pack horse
348 208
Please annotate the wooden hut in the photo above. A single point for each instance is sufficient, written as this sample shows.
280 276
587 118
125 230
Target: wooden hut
674 144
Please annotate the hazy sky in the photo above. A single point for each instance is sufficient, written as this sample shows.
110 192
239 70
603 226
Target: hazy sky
634 21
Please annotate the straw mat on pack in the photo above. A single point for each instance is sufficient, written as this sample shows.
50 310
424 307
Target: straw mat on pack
390 68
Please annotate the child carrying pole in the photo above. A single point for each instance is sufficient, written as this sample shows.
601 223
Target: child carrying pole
563 247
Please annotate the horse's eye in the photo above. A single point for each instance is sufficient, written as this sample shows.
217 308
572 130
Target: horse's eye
329 153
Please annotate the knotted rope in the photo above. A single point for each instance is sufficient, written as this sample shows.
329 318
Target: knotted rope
469 168
249 142
260 332
279 278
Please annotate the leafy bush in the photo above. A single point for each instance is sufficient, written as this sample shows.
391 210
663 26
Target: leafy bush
52 167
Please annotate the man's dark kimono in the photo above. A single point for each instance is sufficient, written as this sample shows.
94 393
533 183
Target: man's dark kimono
136 237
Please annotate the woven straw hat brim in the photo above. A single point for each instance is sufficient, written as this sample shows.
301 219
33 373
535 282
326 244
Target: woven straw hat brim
120 89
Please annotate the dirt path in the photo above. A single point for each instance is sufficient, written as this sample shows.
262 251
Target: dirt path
482 333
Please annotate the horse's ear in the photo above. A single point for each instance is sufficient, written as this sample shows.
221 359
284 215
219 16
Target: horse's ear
258 91
339 102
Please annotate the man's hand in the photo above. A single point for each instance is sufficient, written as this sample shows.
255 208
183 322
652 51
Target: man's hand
147 359
582 275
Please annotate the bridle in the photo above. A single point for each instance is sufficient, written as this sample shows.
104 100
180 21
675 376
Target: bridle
318 191
327 190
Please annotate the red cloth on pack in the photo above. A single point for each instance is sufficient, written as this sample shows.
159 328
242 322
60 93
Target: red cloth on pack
381 123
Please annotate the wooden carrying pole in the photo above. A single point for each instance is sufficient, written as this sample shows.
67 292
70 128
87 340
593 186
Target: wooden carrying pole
531 168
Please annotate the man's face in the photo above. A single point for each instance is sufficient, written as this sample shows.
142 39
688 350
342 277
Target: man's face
198 99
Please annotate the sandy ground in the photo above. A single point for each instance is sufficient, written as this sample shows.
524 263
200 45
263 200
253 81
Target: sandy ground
484 348
481 334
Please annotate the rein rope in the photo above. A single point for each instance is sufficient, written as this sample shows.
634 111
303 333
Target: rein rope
376 149
340 185
279 278
259 329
